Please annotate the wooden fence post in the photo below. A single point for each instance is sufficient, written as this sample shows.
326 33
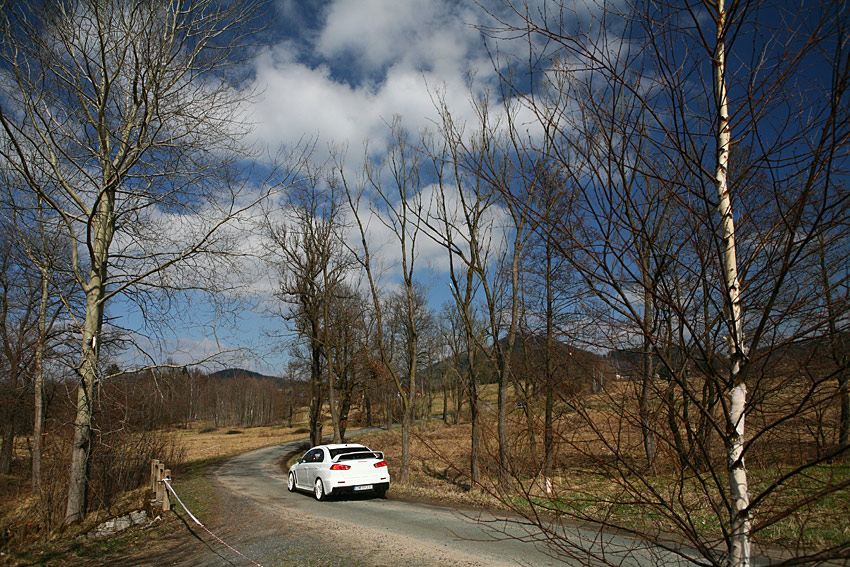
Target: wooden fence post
158 474
166 501
160 488
154 480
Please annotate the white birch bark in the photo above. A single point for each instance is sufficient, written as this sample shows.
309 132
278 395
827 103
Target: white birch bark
739 546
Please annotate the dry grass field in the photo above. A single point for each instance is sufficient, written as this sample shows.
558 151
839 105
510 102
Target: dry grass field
588 485
204 443
591 485
438 473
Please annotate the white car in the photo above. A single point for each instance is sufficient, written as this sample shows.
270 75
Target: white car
340 469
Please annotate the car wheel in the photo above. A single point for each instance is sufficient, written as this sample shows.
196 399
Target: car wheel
319 490
381 493
290 484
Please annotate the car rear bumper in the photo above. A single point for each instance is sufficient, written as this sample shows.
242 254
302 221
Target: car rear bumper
377 487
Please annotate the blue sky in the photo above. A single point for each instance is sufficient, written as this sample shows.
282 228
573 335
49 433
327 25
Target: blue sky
337 73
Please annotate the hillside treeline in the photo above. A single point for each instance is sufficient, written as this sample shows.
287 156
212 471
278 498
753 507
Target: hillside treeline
159 399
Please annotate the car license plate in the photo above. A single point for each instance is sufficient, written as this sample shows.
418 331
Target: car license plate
363 487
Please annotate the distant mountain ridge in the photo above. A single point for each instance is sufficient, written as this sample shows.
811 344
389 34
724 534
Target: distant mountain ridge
230 373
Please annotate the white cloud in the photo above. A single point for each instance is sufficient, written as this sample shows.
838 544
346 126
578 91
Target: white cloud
423 34
368 62
300 102
402 55
340 80
371 32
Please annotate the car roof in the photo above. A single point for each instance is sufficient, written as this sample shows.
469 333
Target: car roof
343 446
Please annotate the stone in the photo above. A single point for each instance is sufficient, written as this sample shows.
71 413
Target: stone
121 523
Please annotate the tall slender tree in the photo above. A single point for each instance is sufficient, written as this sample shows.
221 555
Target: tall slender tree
393 199
306 248
125 120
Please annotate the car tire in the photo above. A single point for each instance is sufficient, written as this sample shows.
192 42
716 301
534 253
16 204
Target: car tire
290 483
381 493
319 490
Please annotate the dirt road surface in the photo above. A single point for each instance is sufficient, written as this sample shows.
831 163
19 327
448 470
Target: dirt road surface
273 527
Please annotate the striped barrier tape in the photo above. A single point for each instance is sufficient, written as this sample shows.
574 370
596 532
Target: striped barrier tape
197 521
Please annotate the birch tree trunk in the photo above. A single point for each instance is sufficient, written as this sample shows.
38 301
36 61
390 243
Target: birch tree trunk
739 545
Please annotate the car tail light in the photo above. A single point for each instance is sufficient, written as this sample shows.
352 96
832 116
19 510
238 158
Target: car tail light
380 464
339 467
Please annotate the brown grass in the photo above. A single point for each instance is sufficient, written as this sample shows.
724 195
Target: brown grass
439 468
200 444
589 481
601 475
27 520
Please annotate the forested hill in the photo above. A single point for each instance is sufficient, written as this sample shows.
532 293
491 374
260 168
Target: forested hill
242 373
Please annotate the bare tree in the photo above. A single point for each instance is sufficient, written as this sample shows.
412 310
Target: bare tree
462 222
45 251
400 335
392 190
46 264
37 295
124 119
430 356
308 251
347 343
689 235
550 292
833 295
454 361
20 295
492 160
508 170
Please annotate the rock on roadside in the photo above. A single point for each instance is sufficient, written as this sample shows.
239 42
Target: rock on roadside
121 523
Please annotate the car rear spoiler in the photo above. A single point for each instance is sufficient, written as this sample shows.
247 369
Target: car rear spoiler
345 456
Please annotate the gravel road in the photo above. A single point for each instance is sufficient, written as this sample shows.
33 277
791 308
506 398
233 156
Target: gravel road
276 528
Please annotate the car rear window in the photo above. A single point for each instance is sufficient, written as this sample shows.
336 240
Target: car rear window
358 455
345 450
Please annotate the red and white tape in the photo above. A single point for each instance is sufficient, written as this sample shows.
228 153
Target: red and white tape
197 521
